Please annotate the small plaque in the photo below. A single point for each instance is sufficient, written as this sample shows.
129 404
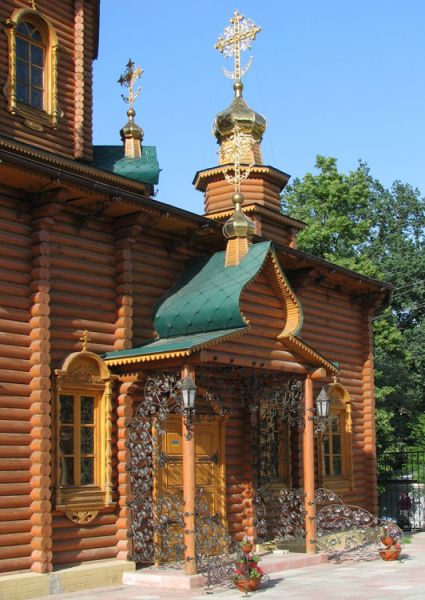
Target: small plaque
175 442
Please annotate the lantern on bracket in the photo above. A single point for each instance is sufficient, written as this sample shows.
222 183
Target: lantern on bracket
188 390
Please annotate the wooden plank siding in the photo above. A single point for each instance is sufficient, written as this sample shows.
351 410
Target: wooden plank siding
62 140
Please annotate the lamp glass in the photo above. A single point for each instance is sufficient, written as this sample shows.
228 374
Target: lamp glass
323 403
188 389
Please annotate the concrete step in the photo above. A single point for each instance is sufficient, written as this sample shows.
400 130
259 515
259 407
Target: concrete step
174 578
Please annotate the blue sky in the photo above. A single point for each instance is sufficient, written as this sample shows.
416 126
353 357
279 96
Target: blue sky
341 78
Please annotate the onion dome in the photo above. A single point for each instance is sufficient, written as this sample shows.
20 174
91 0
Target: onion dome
238 225
251 124
132 136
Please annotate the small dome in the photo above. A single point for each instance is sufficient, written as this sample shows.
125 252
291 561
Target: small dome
239 113
238 225
131 129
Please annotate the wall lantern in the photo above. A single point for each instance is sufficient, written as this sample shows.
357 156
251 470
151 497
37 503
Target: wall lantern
323 403
188 390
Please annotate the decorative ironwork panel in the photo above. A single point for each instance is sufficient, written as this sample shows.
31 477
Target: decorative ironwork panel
149 523
344 528
216 552
280 514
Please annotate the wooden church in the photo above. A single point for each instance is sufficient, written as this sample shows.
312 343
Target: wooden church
151 359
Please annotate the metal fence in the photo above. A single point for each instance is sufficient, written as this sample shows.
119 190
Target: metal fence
401 486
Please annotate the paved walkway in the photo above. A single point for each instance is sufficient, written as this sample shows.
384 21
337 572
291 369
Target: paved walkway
366 579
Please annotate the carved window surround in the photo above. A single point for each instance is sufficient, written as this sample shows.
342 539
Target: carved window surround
34 118
85 374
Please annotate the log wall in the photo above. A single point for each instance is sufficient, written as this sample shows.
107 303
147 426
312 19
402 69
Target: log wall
337 326
61 276
73 137
16 356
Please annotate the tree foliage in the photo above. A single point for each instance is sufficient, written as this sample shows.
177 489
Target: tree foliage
354 221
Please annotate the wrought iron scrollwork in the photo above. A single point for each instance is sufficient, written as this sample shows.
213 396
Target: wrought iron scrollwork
280 515
161 396
342 528
216 551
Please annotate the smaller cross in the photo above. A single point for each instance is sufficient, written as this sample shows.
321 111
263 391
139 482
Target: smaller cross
33 4
85 339
128 79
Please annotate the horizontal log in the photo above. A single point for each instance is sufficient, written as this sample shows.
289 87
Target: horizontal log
15 564
14 452
70 557
14 477
18 514
15 551
84 544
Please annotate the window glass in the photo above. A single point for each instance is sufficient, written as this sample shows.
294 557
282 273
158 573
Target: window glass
30 59
77 439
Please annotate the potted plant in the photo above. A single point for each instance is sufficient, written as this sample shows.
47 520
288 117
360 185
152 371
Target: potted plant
391 552
247 574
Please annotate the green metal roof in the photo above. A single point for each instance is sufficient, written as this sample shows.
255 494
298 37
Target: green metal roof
110 158
203 306
175 344
206 297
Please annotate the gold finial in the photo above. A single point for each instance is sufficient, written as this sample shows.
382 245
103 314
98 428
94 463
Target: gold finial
131 133
238 145
85 339
128 79
236 38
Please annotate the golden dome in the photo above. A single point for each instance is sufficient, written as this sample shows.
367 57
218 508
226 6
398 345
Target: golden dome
238 225
238 113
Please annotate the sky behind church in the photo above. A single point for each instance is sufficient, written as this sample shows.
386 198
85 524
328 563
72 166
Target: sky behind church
341 78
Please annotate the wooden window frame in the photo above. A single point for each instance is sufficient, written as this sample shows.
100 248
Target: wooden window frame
85 374
340 407
34 118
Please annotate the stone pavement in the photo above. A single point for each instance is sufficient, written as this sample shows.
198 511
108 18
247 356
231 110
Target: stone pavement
371 579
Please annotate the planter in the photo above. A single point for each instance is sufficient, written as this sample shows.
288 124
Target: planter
243 585
390 553
387 540
248 585
254 583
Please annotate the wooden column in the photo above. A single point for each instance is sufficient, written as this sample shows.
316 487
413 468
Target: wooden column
308 468
189 489
41 519
124 414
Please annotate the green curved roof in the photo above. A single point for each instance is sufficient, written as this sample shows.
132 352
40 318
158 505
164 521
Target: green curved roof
206 297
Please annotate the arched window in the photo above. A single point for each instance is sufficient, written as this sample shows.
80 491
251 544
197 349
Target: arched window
83 425
334 444
31 87
30 64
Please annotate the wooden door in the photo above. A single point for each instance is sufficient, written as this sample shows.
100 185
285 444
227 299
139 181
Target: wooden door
209 462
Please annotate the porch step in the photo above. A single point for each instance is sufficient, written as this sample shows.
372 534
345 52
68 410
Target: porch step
176 579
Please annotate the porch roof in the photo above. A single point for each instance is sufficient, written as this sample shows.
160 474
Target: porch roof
203 309
173 347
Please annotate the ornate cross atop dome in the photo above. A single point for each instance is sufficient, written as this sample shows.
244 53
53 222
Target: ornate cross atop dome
131 133
237 37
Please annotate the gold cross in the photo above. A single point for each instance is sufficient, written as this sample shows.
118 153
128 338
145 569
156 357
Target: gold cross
85 339
128 79
33 5
237 37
